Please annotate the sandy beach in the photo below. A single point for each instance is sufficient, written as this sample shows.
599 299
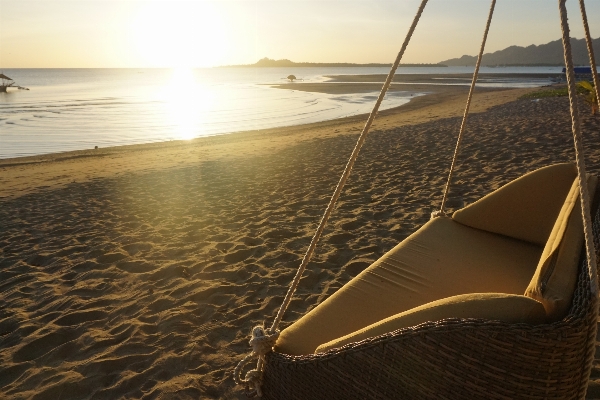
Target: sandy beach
138 271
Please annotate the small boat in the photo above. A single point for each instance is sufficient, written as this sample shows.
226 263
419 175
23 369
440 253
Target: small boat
6 82
580 73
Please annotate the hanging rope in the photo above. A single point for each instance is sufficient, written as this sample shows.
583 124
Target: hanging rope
254 377
442 210
346 173
579 156
588 41
581 175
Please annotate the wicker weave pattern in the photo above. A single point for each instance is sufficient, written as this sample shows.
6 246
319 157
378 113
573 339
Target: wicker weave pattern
452 359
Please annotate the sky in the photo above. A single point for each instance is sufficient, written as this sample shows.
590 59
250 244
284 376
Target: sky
204 33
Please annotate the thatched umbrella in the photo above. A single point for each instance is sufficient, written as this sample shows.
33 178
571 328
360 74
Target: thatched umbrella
292 78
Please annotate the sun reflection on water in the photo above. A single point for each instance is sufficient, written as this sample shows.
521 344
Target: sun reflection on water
187 101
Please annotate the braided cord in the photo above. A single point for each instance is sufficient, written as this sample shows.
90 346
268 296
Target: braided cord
442 210
579 156
345 174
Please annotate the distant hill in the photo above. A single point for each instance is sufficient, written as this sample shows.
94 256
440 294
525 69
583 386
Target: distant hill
267 62
544 54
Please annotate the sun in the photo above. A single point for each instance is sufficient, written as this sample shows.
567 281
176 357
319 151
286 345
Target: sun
179 34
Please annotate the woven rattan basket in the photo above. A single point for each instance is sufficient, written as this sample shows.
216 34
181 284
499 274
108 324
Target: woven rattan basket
453 358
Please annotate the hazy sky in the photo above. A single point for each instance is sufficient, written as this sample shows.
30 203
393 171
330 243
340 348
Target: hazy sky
130 33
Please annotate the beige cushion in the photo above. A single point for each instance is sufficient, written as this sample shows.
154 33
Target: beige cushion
525 208
495 306
442 259
553 283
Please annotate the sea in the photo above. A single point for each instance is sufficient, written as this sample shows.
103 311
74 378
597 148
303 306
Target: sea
78 109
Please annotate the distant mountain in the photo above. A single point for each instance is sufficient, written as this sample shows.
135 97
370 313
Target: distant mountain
544 54
267 62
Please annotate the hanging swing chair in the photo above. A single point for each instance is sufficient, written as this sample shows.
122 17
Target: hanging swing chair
497 301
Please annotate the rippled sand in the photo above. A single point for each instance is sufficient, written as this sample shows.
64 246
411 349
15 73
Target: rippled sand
143 277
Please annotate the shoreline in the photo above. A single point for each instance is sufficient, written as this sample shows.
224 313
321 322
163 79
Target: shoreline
119 116
22 175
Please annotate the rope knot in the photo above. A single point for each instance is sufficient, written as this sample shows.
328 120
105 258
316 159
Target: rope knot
262 342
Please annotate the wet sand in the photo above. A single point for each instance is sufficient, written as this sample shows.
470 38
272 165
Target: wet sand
138 271
436 78
415 83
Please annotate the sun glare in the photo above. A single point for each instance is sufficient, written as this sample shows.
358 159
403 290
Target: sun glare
187 100
180 34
